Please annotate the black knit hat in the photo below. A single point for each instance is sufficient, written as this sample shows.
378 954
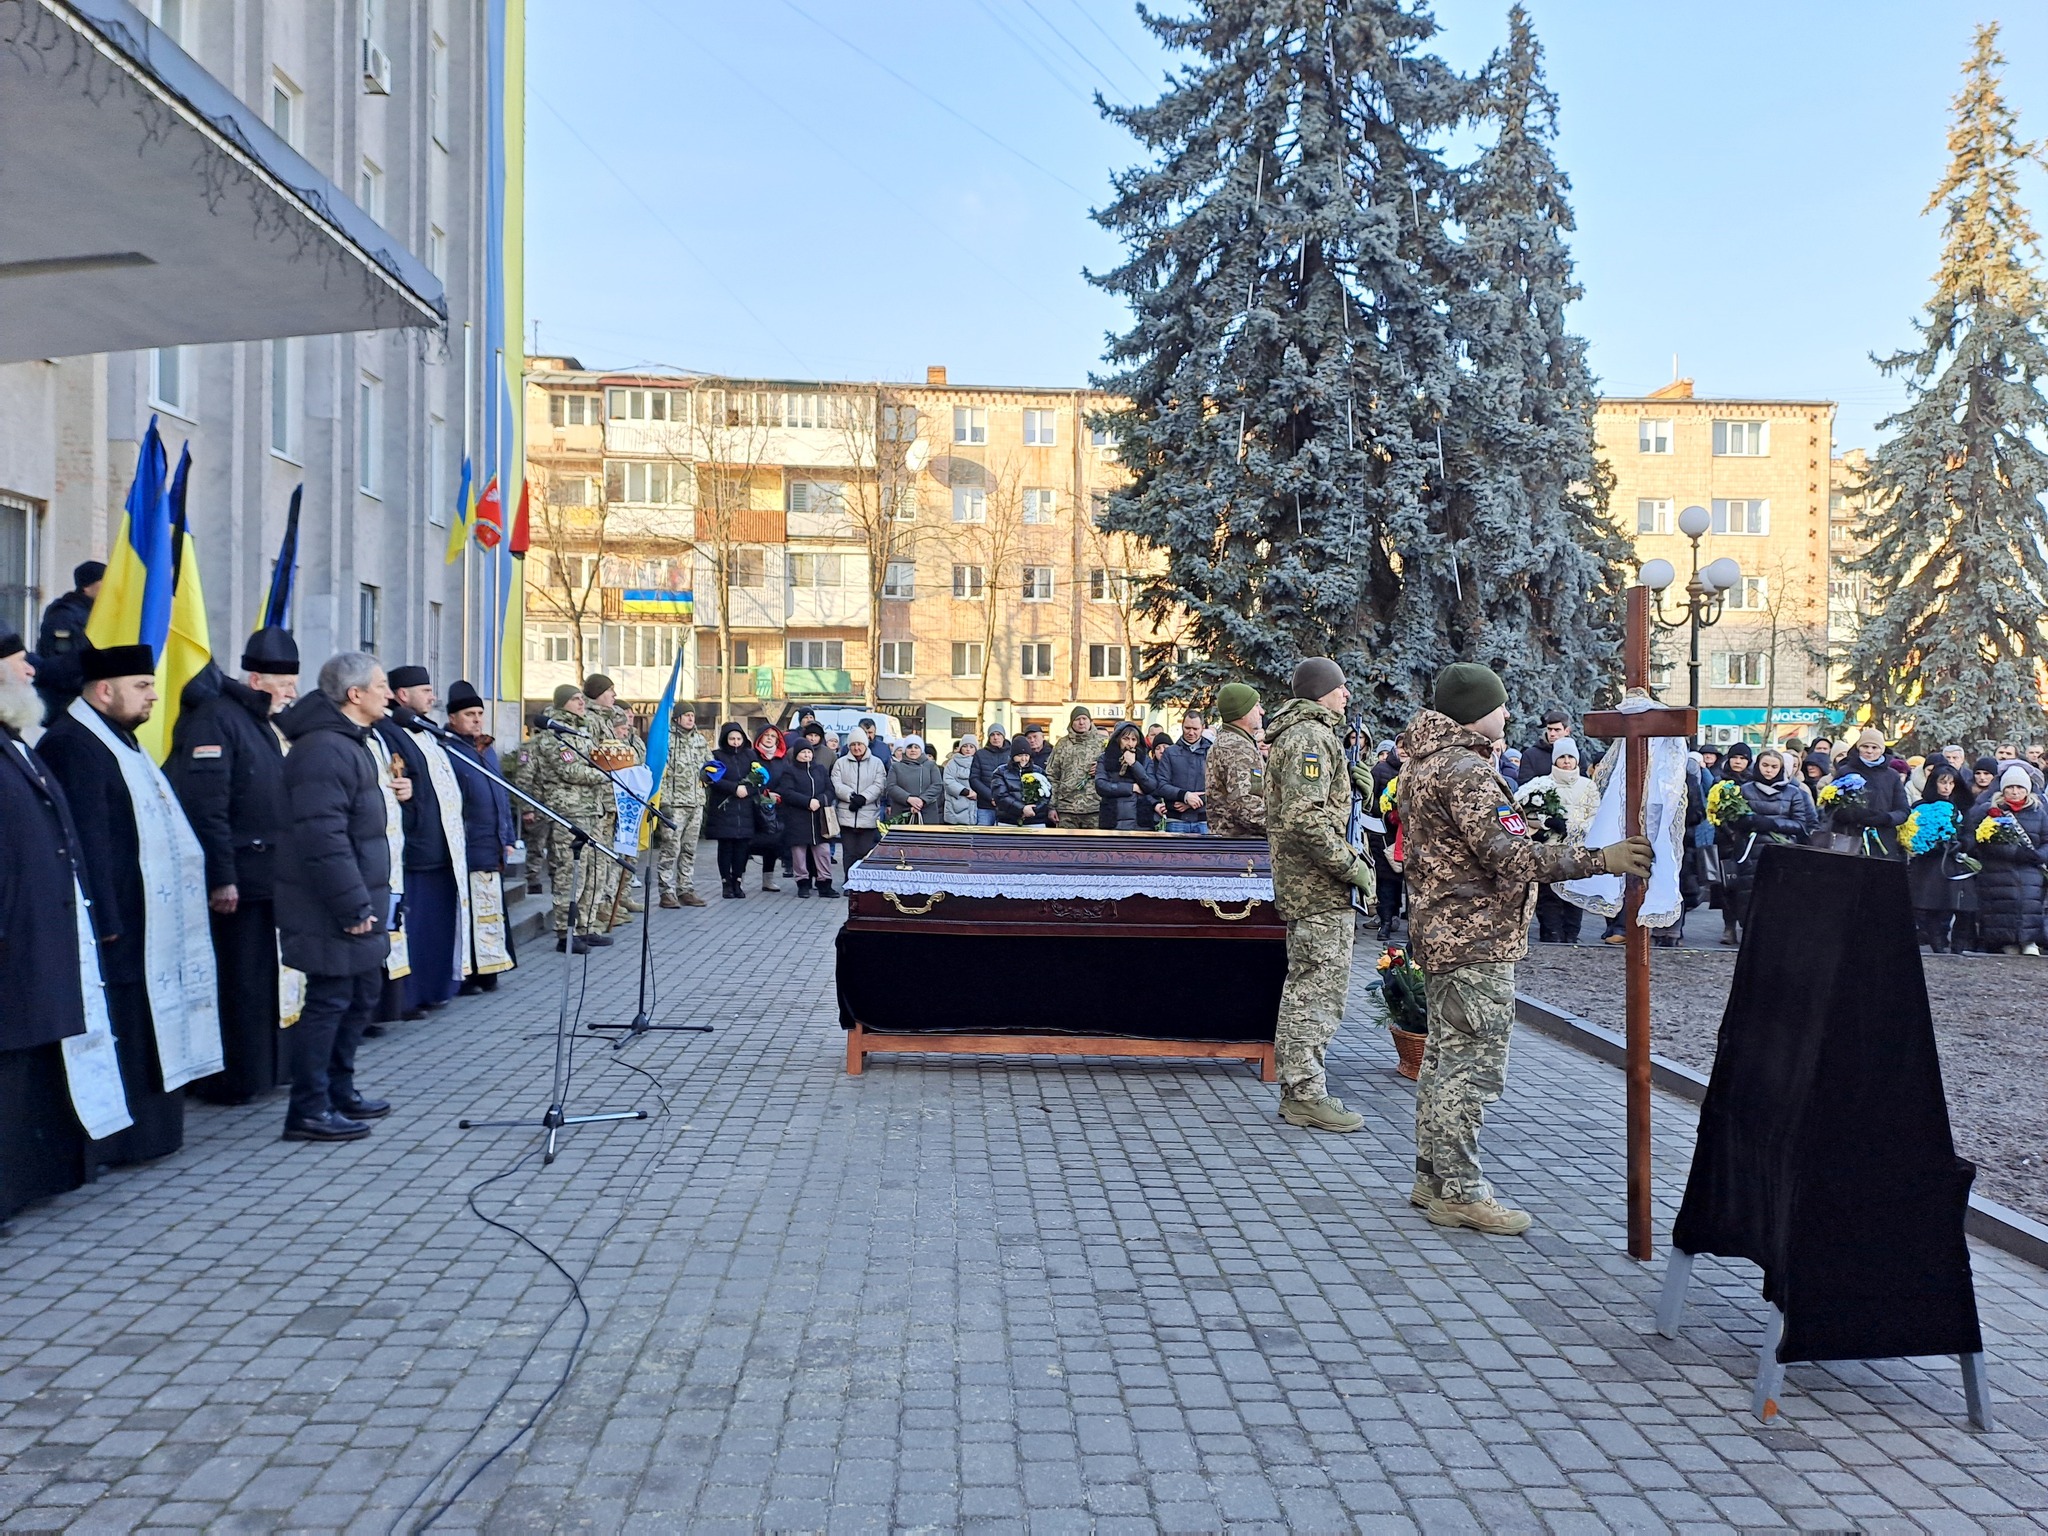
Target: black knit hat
86 572
408 677
97 663
10 644
462 696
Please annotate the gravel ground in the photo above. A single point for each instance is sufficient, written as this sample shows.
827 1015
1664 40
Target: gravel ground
1990 1022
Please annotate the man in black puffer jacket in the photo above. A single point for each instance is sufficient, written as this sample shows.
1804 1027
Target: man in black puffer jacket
1882 808
334 893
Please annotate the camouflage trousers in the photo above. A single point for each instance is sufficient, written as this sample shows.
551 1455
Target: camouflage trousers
1312 1001
1464 1069
583 880
677 871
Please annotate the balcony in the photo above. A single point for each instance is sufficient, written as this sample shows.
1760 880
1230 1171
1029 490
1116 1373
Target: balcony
817 682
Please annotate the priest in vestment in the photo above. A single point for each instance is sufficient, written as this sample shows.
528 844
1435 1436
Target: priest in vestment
156 947
436 874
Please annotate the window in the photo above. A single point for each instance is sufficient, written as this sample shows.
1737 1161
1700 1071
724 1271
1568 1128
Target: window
967 658
549 642
567 491
899 658
439 491
437 90
366 618
370 190
649 405
1039 428
899 579
646 484
742 655
284 398
1653 515
1035 659
284 110
749 569
817 507
899 424
1654 436
1753 596
437 251
1742 439
1037 586
572 410
20 597
967 582
969 426
1098 437
1107 584
826 654
169 368
1739 669
369 434
970 504
1098 507
1752 516
1105 661
1842 593
175 17
1040 506
815 570
899 502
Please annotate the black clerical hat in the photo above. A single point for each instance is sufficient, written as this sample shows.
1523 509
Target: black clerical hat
270 649
462 696
117 661
10 643
409 677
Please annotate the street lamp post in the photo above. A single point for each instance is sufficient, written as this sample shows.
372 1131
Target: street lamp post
1706 594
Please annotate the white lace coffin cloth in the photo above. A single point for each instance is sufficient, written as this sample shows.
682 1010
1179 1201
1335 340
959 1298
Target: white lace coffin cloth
1663 824
875 873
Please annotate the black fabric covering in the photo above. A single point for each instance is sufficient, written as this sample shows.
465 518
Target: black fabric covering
1824 1153
252 1042
1232 986
42 1148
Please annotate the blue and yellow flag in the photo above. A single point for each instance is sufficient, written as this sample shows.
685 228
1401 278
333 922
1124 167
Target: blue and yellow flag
657 746
676 605
187 648
458 525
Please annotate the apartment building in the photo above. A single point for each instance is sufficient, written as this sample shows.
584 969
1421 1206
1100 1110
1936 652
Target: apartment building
327 352
1763 470
928 548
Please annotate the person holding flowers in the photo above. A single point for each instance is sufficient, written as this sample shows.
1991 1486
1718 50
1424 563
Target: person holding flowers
2008 834
1866 798
1775 808
1939 870
1559 806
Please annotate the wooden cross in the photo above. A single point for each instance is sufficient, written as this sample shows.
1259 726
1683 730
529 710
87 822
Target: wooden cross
1638 726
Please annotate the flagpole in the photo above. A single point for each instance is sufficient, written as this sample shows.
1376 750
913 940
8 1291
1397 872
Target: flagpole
467 369
496 644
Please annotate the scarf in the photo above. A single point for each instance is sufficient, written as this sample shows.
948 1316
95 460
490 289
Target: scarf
177 939
449 794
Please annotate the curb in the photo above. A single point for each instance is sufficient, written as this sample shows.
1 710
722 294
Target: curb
2000 1226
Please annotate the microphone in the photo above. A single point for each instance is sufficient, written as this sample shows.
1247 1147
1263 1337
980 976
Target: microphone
559 728
411 719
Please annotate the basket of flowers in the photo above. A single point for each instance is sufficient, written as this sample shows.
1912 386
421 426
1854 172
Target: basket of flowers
1398 992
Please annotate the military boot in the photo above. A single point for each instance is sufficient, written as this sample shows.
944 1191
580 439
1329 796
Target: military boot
1325 1114
1488 1216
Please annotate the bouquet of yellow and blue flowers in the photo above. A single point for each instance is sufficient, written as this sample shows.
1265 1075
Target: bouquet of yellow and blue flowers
1999 828
1934 827
1727 806
1844 793
1389 795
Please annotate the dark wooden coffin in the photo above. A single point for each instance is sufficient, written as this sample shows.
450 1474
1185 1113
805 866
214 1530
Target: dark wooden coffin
995 940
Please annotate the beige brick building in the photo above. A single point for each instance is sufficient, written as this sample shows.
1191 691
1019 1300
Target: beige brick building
1763 471
928 549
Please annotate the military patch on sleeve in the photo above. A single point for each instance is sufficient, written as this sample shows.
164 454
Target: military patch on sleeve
210 749
1311 766
568 756
1511 819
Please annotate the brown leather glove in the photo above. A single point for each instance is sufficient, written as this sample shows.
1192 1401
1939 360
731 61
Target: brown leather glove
1630 856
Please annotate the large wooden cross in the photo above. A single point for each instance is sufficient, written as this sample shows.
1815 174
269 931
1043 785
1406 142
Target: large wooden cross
1640 727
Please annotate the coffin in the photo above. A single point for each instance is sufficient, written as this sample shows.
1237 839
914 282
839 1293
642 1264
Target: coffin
988 940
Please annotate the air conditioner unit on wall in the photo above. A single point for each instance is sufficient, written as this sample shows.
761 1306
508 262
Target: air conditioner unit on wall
376 70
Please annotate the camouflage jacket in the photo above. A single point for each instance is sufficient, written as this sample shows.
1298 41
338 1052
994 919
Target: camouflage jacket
563 782
620 725
683 783
1071 770
1472 868
1308 803
1236 773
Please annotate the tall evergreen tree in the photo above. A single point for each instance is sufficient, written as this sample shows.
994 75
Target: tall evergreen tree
1955 523
1357 422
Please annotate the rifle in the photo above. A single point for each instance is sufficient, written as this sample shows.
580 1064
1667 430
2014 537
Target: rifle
1354 827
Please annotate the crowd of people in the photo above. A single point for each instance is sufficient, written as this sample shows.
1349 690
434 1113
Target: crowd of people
300 871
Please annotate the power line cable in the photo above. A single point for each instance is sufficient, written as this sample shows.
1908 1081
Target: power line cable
1074 48
661 223
1144 74
952 112
1055 71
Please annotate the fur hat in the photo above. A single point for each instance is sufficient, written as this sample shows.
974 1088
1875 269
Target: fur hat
98 663
408 677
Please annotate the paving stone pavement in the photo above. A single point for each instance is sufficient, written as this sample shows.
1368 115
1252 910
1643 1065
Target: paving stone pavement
989 1294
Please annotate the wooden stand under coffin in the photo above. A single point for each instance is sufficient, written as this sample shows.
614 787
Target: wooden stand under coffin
1042 941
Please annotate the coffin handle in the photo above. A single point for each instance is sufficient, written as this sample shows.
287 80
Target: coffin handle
909 911
1232 917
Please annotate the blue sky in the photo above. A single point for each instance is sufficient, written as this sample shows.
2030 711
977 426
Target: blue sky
731 187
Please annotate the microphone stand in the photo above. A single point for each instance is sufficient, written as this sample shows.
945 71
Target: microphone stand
557 1116
642 1021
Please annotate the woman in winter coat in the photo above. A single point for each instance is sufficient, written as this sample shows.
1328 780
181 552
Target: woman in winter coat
1122 774
1944 898
2009 900
1779 809
1883 808
1150 806
730 801
1007 789
804 790
959 770
1557 920
915 788
768 841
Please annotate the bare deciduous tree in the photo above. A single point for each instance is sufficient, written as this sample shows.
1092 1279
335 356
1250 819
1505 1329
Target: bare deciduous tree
728 444
570 525
1121 557
987 534
880 435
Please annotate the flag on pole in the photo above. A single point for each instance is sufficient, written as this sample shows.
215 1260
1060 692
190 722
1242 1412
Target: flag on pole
277 608
522 538
134 605
657 745
187 647
458 525
676 605
490 516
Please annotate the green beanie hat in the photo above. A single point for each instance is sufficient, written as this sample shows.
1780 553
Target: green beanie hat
1235 700
563 693
1466 691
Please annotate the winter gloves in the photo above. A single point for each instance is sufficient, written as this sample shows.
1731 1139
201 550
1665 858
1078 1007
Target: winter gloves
1361 780
1361 876
855 802
1630 856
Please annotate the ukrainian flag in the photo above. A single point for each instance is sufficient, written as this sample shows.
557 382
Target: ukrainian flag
657 747
675 605
458 525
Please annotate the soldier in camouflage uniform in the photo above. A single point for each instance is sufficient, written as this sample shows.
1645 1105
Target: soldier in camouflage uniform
682 800
519 773
570 787
1308 803
1236 769
1472 872
612 721
1071 771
